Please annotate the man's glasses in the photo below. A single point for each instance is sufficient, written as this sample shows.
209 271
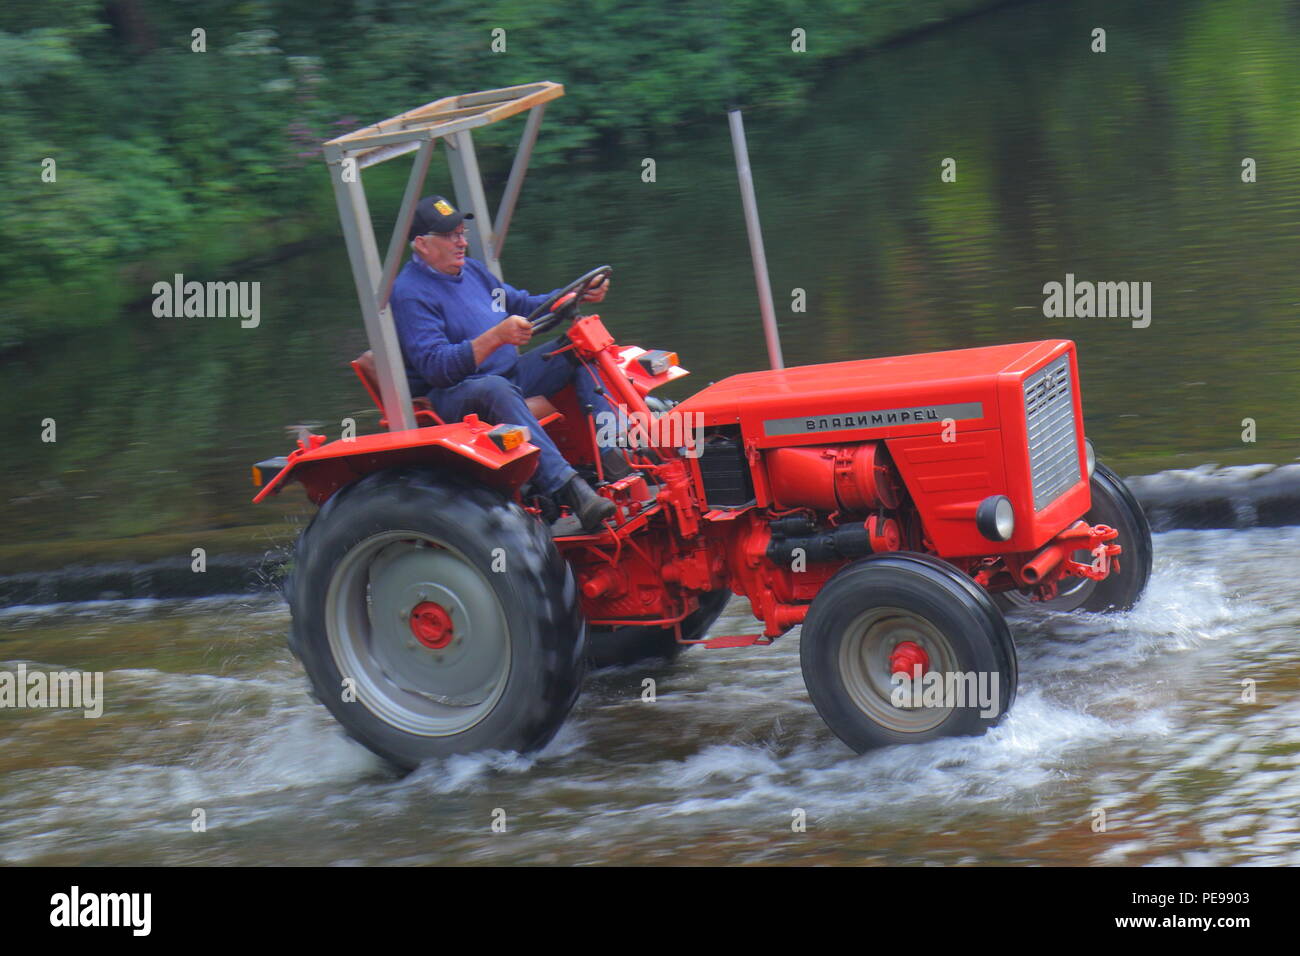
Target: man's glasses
457 236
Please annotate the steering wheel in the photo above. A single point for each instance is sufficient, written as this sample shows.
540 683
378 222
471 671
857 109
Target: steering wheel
554 311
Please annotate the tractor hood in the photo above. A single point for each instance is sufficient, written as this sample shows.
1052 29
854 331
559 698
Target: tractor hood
903 396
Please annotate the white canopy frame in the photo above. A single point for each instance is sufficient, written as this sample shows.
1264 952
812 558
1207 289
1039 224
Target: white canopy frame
452 120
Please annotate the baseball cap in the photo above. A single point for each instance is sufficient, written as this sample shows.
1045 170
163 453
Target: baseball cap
435 214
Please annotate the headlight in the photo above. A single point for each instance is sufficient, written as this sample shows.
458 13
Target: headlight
995 518
1091 457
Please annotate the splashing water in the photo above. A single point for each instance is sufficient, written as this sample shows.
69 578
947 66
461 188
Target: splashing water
1137 715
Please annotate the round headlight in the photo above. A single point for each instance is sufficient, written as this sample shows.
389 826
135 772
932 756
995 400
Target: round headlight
1090 456
995 518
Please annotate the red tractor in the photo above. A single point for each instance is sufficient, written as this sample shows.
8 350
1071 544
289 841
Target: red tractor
891 506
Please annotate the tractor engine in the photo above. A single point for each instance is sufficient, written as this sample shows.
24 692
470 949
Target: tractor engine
849 481
970 454
854 479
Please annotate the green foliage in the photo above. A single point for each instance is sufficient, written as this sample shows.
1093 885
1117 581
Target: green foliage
160 149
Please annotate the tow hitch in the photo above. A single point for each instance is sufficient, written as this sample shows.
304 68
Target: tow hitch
1104 556
1060 551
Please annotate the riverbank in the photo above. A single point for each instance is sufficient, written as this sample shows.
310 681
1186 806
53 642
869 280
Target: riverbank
254 558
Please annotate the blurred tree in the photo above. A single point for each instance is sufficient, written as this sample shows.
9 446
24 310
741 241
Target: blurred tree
166 156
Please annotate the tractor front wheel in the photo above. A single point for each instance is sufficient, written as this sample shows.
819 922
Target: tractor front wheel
1112 505
887 619
433 617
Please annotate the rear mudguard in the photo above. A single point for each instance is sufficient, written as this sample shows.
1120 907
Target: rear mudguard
465 446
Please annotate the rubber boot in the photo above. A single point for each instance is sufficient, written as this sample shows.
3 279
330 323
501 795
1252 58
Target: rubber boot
590 507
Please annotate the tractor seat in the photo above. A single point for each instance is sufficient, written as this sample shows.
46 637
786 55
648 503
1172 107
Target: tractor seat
364 366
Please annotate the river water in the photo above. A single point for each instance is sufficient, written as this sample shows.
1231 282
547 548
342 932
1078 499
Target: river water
1122 166
1139 715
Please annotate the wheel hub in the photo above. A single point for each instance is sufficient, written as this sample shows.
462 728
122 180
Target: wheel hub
907 657
431 625
420 628
878 645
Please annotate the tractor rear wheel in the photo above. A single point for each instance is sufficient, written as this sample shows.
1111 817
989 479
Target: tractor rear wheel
900 613
621 646
434 617
1113 505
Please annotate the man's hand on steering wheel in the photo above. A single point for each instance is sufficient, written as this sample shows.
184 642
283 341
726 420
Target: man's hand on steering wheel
514 330
563 304
597 290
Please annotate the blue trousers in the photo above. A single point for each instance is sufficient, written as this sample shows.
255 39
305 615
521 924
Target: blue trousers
499 399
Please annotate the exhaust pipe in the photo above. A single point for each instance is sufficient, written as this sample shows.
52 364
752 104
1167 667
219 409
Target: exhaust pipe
748 200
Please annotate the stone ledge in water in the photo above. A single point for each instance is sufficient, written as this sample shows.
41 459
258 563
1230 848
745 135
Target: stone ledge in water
1240 496
171 578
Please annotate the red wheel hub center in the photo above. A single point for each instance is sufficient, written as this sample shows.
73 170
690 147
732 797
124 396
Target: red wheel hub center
907 656
431 625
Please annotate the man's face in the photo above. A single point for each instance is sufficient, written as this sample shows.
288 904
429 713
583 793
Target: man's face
444 251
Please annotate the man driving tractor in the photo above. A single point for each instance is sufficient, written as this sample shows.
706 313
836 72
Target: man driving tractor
465 358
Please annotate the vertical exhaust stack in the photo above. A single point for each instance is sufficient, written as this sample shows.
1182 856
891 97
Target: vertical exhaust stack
750 203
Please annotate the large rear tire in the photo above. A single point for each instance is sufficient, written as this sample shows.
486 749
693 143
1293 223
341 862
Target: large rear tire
916 609
1113 505
622 646
434 617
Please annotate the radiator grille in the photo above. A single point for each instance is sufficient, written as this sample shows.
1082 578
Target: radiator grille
1053 444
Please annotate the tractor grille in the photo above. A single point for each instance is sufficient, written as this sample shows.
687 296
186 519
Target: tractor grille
1053 444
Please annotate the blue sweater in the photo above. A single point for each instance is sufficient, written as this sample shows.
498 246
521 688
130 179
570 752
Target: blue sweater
438 315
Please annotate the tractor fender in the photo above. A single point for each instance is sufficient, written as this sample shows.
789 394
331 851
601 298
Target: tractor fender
638 365
465 447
